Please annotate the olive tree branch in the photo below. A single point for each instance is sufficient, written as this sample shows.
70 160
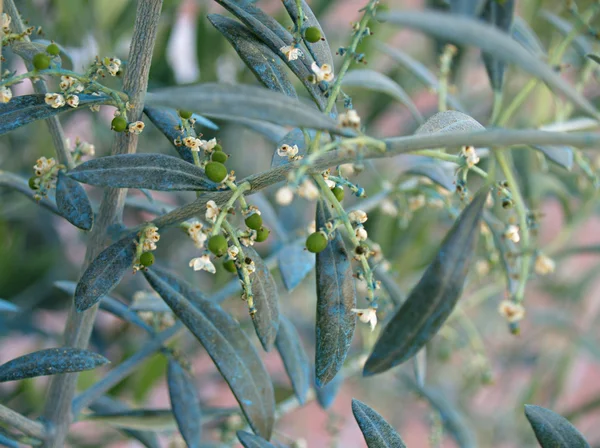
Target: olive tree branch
79 325
63 154
22 423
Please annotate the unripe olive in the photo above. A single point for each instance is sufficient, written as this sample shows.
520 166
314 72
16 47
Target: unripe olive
185 114
262 234
53 50
316 242
41 61
217 244
219 156
147 259
218 147
215 171
33 184
118 124
312 34
338 192
254 221
229 266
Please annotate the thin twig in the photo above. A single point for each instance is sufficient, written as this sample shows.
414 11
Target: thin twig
79 325
22 423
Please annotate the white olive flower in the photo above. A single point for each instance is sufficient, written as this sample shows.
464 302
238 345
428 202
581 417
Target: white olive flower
512 233
5 20
193 143
544 265
55 100
284 196
66 81
361 234
513 312
349 119
347 169
322 73
113 65
250 267
212 211
151 233
136 127
287 151
73 101
203 263
44 166
77 87
5 94
196 234
247 241
232 252
368 316
416 202
148 245
388 208
330 183
291 53
308 190
312 227
357 216
468 152
87 149
208 145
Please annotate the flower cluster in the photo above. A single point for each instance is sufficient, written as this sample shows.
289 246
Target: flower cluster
45 176
322 73
81 149
151 237
55 100
5 22
471 157
291 53
112 66
291 152
196 233
147 239
513 312
196 144
349 119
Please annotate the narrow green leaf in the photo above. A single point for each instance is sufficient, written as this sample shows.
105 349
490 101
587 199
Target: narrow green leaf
500 15
50 361
137 419
266 301
320 51
373 80
522 33
185 403
72 202
498 44
295 263
106 404
105 272
336 297
230 350
581 43
251 441
274 36
432 300
469 8
242 101
377 432
449 121
266 65
593 57
327 393
25 109
295 359
552 430
419 70
150 171
561 155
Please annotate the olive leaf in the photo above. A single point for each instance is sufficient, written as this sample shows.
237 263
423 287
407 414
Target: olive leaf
449 121
373 80
149 171
552 430
522 33
25 109
108 304
266 65
266 301
105 272
327 393
106 404
432 300
137 419
500 15
51 361
8 307
294 357
167 121
336 297
185 403
295 263
453 420
470 8
320 50
561 155
377 432
72 202
10 443
252 441
419 70
275 36
498 44
229 348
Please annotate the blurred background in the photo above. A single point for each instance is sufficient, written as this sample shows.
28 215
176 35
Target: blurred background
481 375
